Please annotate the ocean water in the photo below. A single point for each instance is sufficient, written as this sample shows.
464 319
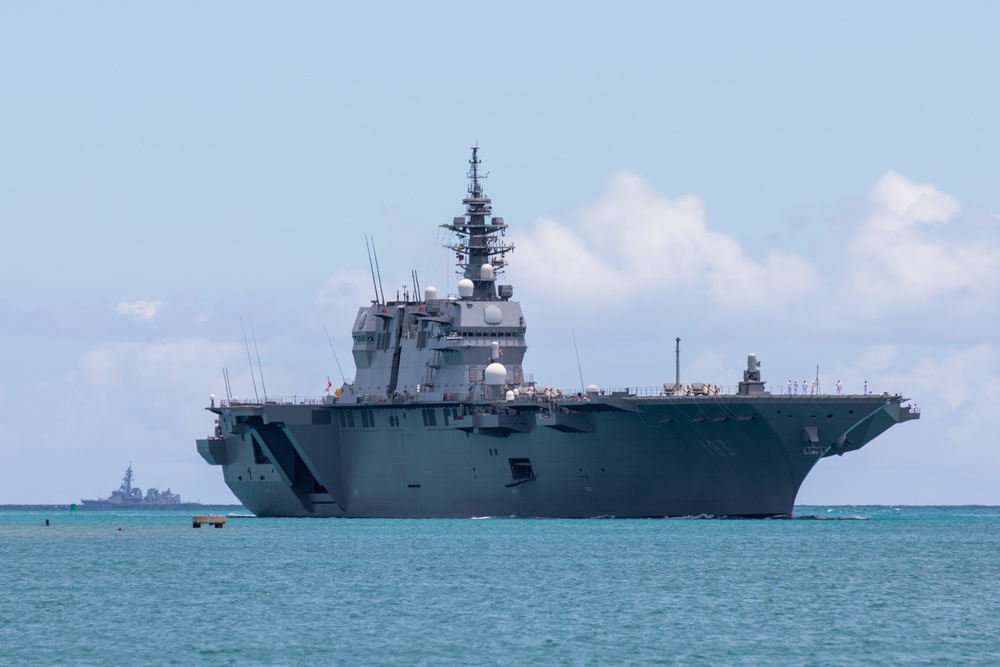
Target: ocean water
833 586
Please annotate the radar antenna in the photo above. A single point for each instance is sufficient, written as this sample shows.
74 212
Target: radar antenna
480 249
474 188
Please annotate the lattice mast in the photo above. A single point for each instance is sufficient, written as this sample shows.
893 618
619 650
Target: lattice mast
480 250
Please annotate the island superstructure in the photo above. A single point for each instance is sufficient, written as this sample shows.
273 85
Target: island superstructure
441 421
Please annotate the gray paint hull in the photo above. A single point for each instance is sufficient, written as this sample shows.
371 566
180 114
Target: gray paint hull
615 456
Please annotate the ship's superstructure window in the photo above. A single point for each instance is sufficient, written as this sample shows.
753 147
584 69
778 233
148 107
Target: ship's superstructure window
429 417
368 418
347 419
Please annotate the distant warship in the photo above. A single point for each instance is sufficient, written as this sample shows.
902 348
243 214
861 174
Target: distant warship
131 496
441 421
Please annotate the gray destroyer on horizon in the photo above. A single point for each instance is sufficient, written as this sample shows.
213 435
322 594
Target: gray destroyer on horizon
440 421
130 496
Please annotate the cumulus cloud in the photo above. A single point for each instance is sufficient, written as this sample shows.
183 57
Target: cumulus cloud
912 253
634 239
140 311
344 291
964 377
908 252
160 371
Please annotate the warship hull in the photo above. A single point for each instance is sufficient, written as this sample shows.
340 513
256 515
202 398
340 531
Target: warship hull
615 456
395 442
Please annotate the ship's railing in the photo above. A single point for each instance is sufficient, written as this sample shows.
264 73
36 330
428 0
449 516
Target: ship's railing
689 391
546 395
236 402
666 390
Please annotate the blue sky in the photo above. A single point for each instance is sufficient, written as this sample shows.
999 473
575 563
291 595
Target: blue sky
815 184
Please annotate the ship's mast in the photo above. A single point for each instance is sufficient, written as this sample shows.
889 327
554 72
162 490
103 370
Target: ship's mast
480 237
127 480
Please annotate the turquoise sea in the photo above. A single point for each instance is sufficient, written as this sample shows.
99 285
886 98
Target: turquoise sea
833 586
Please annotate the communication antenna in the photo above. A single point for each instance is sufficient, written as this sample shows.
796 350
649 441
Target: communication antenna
378 271
344 379
371 266
260 369
579 368
416 285
249 360
817 379
225 377
677 366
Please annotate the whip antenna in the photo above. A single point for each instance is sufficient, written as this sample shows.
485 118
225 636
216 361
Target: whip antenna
378 270
578 366
260 369
371 268
249 360
334 354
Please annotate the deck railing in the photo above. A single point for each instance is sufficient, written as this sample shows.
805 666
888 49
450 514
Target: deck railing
546 394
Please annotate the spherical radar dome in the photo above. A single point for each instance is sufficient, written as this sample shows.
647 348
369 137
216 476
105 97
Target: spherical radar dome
492 315
496 374
465 288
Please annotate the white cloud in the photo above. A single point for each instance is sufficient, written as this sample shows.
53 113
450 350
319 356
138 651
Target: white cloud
877 358
964 377
913 255
344 291
122 402
908 252
634 240
149 375
140 311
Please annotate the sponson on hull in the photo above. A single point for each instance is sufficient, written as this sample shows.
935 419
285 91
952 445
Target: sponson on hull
440 421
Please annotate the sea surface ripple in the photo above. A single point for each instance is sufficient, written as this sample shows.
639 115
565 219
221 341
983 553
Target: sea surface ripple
833 586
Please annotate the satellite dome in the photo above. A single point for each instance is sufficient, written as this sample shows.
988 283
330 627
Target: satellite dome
430 293
465 288
486 272
592 389
496 374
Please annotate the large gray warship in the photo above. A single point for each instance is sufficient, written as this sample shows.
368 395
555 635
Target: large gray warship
440 421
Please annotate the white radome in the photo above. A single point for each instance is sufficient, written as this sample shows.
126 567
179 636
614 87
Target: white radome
496 374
